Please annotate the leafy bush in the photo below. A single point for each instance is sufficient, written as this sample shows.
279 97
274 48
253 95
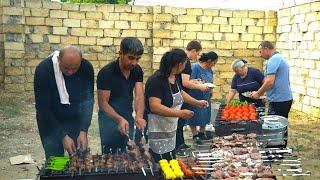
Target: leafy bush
99 1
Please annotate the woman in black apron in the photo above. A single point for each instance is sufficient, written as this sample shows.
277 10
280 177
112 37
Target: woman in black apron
164 99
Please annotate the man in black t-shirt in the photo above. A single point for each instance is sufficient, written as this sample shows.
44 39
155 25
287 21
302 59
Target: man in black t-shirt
116 83
193 50
63 89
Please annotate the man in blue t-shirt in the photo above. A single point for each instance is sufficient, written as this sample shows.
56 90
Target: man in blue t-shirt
276 83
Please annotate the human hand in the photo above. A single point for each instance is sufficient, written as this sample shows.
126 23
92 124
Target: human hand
68 144
140 123
255 95
186 114
123 126
203 103
203 87
82 141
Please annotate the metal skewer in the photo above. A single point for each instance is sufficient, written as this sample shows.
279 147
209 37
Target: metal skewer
143 171
128 137
150 165
292 165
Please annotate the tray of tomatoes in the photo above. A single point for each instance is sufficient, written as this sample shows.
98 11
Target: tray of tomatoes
237 117
237 111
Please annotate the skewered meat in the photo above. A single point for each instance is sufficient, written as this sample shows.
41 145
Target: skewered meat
241 155
147 155
243 169
265 174
232 172
143 141
132 145
255 156
252 135
117 160
239 151
219 174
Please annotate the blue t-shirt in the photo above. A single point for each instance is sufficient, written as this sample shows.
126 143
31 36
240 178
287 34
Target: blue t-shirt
205 75
281 90
252 82
201 115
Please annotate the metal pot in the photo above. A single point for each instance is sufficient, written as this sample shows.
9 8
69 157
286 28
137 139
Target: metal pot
274 131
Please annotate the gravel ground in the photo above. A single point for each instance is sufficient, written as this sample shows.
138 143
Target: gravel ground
19 136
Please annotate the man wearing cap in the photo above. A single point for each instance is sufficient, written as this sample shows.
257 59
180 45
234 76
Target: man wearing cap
246 79
276 83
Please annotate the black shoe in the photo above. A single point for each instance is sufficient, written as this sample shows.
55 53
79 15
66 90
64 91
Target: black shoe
203 136
182 152
184 146
197 139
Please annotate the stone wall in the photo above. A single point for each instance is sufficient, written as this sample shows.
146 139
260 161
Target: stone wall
299 40
33 29
232 34
1 52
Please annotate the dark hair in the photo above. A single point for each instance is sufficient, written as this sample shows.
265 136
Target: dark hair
266 44
194 45
244 61
208 56
131 45
170 60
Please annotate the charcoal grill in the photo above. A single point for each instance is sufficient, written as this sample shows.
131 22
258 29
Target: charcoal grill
134 162
102 173
226 128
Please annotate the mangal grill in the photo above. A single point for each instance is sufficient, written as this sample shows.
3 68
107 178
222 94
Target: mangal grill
225 128
134 162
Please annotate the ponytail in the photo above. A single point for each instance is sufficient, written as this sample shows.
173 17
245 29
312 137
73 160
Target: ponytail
212 56
170 60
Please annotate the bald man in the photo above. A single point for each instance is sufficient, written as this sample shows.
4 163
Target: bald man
63 87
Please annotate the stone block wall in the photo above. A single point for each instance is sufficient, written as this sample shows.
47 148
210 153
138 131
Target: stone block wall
232 34
298 38
33 29
1 51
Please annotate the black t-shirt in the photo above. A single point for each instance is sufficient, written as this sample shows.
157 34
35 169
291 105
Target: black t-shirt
158 86
187 70
111 78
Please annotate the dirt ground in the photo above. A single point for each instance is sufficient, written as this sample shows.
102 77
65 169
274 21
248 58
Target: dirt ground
19 136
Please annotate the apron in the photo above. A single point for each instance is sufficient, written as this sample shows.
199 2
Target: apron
162 130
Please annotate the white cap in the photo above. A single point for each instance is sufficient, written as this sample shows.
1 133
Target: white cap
237 63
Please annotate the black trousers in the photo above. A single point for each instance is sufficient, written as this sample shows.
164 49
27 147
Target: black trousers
110 136
281 109
179 133
181 123
52 145
166 156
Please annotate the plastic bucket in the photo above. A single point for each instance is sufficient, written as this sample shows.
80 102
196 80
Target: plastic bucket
214 110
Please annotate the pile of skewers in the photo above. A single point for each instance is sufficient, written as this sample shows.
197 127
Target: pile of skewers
133 159
239 156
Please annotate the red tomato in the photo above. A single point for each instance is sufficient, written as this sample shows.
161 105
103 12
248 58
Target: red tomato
246 118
